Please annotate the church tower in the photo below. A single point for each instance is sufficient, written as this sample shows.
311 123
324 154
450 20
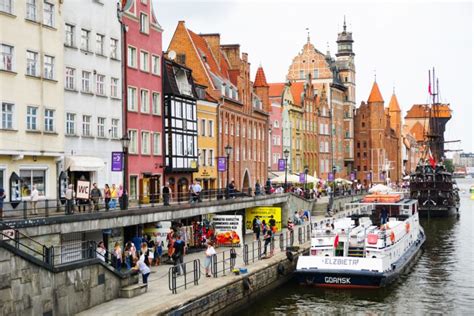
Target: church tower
345 64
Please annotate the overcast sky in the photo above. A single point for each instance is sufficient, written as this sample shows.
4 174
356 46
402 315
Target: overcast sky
397 41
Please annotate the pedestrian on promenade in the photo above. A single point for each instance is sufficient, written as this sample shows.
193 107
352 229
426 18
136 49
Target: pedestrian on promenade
143 268
117 256
258 189
107 197
231 189
196 192
114 197
34 197
178 254
264 227
120 197
2 198
166 194
290 225
144 250
268 239
101 251
158 252
256 227
128 254
272 223
210 252
95 196
69 199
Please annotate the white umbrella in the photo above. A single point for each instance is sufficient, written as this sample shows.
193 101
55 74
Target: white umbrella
380 188
343 181
291 178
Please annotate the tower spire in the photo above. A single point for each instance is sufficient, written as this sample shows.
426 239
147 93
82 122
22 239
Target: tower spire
344 27
307 30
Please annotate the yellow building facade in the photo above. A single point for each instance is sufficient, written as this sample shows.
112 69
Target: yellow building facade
207 174
32 97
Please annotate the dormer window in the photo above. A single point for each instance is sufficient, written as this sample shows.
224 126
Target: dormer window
182 82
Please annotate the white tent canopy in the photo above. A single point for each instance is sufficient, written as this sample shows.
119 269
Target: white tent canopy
343 181
380 188
293 178
84 163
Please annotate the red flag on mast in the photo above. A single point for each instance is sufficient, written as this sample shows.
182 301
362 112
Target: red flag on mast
429 82
336 241
432 160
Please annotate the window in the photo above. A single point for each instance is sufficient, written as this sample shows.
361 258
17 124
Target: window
113 48
31 118
114 83
30 178
7 115
203 127
100 81
69 33
237 129
31 63
155 65
132 57
70 124
203 157
101 127
226 128
6 55
70 80
156 103
231 128
210 131
276 124
6 6
48 67
49 120
144 101
143 23
132 99
114 129
144 61
157 144
211 158
31 10
301 74
133 187
48 14
133 141
86 125
85 40
99 49
237 154
315 74
86 81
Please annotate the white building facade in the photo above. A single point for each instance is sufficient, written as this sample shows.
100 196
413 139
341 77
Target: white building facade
93 90
31 97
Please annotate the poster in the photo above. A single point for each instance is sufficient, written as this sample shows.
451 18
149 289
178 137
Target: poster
302 177
281 164
158 233
330 176
264 212
353 176
221 164
228 229
83 188
117 161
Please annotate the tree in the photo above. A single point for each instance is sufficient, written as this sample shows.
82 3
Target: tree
448 163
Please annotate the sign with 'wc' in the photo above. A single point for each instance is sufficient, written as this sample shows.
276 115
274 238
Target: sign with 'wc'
83 189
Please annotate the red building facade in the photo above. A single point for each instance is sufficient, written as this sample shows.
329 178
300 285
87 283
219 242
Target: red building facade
143 51
276 128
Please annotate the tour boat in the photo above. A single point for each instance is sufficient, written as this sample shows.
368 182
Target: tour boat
358 251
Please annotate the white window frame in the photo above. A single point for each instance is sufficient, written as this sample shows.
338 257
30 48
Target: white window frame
70 124
49 22
114 87
210 158
48 67
31 12
69 39
49 125
144 25
133 148
32 118
131 56
114 126
86 82
32 64
101 127
100 84
210 130
144 61
86 125
7 119
99 49
144 106
156 103
202 127
114 43
156 65
157 144
85 41
70 78
131 99
7 59
7 6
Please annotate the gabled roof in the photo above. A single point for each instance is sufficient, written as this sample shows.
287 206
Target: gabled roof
393 105
297 89
375 95
260 80
276 89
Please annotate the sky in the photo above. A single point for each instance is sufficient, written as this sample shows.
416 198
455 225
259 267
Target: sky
396 41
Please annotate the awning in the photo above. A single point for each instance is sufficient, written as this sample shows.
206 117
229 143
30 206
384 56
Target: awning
84 163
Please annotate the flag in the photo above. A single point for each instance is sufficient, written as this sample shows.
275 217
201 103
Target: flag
126 4
429 88
432 160
336 241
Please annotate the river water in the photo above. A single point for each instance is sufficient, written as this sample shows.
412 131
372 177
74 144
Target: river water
440 282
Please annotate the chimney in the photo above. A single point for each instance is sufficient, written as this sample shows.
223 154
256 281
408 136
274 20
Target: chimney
214 42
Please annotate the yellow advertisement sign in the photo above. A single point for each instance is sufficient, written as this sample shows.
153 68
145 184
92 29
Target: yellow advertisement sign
264 212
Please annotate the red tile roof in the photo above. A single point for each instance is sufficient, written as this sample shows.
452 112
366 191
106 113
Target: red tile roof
393 105
375 95
423 111
276 89
297 89
260 80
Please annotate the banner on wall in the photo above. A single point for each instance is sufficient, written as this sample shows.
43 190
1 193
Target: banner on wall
221 164
281 164
228 229
264 212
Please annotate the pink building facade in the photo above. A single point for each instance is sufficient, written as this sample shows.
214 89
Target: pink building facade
143 42
276 128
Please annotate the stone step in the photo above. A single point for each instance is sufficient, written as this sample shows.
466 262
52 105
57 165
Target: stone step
133 290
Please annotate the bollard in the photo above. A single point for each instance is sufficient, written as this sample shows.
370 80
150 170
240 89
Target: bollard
282 245
196 264
46 208
259 244
246 254
214 265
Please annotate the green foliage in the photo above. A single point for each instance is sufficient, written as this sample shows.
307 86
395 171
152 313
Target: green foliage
448 163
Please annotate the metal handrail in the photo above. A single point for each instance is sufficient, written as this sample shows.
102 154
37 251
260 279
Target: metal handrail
173 275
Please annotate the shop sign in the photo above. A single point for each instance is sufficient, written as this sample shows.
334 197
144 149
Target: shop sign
264 212
83 188
228 229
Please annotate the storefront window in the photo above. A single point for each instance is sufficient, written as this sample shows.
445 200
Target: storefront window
133 187
30 178
2 177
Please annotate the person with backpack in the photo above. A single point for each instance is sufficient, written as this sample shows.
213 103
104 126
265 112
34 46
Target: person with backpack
178 254
272 224
147 253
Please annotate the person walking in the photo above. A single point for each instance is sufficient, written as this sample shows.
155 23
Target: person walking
256 227
128 255
231 189
118 256
210 252
264 227
2 198
258 189
69 199
95 196
34 197
143 268
166 191
178 254
290 225
101 251
107 195
197 191
113 196
268 239
272 224
144 250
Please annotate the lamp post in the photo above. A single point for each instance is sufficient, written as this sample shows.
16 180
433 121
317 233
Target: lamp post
334 180
306 170
371 176
228 152
286 153
125 140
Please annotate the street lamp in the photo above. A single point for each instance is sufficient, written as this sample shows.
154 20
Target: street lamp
125 140
286 153
334 180
228 152
371 175
306 170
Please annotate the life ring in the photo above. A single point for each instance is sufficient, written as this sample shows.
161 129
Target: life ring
392 236
407 227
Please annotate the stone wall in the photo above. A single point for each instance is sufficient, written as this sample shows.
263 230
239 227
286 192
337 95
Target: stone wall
28 289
